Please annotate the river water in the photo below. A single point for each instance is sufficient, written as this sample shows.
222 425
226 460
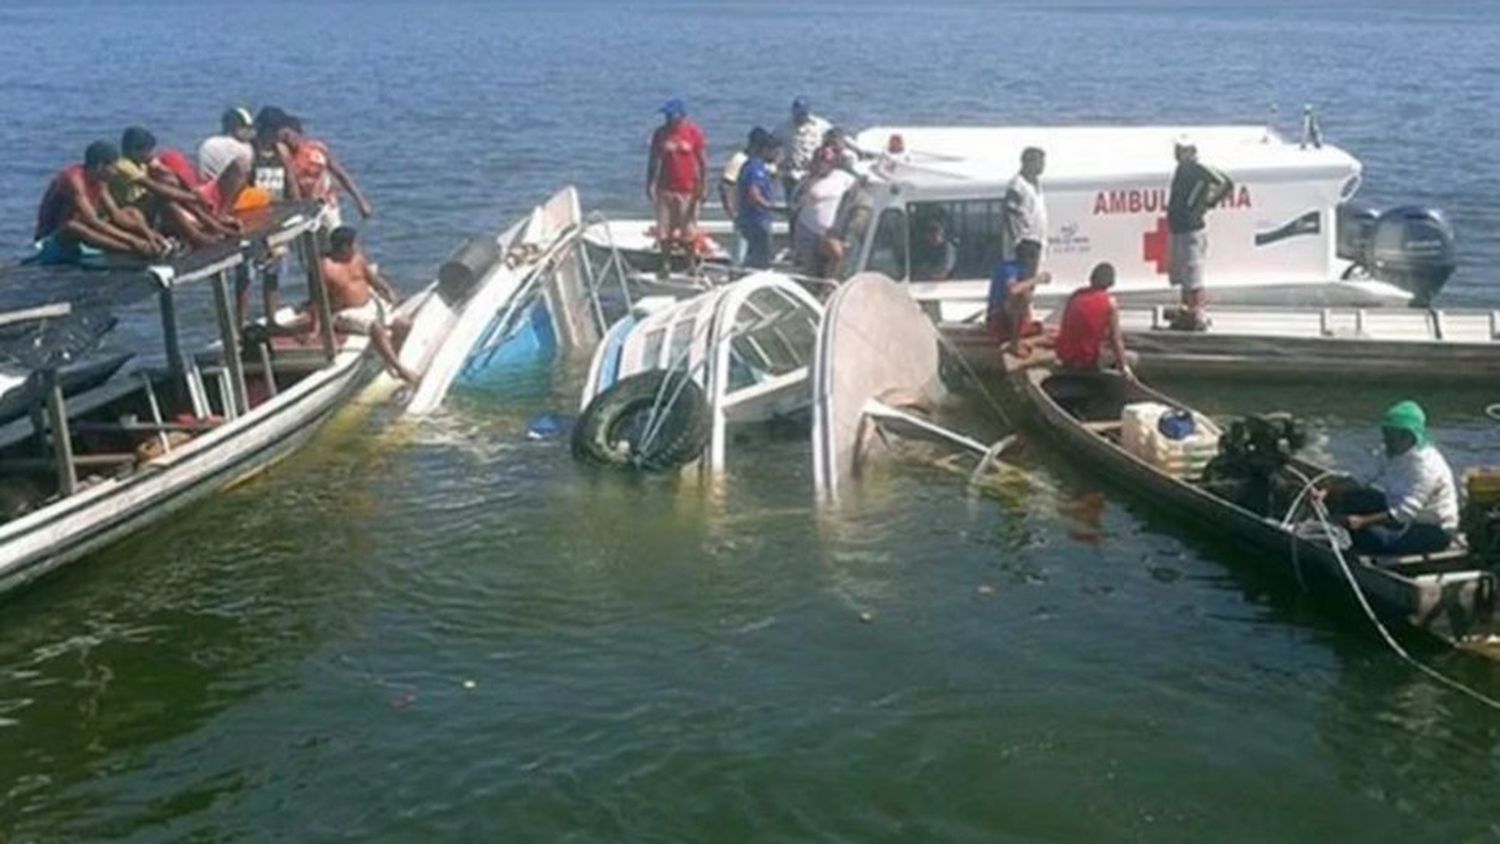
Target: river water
448 632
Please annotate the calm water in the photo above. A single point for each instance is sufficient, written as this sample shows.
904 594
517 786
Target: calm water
447 632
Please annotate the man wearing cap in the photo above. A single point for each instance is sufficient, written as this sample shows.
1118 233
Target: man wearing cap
1412 507
753 204
729 182
225 158
1195 189
676 180
803 134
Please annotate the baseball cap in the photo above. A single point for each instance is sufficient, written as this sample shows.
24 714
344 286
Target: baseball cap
674 107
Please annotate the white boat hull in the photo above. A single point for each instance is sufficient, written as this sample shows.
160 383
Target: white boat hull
91 519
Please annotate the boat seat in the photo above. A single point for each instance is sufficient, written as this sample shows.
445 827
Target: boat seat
1456 557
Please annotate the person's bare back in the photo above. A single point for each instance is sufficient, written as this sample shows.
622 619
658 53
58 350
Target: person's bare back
348 281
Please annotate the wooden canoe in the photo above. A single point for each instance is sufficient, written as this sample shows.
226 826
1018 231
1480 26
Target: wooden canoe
1449 595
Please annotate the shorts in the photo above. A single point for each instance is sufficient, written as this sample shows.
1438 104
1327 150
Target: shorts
674 215
362 319
1028 259
1185 263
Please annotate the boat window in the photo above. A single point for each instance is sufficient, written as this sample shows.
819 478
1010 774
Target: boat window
959 239
682 339
774 334
888 251
651 356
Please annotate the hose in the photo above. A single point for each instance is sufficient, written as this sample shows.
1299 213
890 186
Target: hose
1322 513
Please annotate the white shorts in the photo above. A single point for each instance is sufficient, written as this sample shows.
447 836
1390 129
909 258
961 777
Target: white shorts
363 318
1185 264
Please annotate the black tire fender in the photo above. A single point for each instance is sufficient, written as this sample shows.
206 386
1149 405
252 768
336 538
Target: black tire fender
610 430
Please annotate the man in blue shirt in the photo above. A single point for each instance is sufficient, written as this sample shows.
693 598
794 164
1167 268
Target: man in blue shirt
753 204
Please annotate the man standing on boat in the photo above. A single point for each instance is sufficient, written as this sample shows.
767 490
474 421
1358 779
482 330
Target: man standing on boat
729 182
753 204
1412 508
1090 319
802 134
677 180
1023 241
1195 189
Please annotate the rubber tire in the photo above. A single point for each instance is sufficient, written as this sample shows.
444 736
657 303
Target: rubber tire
679 441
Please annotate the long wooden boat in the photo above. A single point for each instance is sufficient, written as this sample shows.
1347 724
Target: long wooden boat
1449 595
85 470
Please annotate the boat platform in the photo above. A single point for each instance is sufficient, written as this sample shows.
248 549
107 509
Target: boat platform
1294 344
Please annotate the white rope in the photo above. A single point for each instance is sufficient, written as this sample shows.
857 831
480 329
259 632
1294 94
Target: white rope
1322 513
1493 411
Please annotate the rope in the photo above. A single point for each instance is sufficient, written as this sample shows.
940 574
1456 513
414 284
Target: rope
1493 411
1322 513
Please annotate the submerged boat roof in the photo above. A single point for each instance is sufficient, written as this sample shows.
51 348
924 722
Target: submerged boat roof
954 155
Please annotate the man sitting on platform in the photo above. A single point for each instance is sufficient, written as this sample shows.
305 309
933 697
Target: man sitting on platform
362 301
78 209
1412 507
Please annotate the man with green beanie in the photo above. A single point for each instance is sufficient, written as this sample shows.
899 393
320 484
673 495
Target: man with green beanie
1412 508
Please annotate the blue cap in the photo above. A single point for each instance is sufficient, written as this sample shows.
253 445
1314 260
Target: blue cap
801 105
674 107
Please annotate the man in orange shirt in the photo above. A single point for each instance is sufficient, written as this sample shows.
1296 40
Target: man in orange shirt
319 174
676 180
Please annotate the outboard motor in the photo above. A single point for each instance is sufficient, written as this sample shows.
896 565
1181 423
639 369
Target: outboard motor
1410 246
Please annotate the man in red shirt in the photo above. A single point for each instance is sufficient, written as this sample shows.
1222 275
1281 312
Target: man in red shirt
1089 319
676 180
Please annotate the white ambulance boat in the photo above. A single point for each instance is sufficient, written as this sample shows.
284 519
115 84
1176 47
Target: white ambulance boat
1286 235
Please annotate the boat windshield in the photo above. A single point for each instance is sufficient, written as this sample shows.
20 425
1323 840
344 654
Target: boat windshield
774 334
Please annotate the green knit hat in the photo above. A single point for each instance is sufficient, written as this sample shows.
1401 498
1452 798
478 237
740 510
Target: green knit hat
1407 416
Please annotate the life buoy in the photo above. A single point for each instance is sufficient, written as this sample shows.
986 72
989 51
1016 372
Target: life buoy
653 421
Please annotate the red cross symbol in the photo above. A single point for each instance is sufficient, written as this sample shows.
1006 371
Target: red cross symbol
1154 245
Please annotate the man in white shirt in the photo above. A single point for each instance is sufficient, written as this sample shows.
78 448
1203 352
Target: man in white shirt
1023 242
1412 508
802 134
226 157
817 208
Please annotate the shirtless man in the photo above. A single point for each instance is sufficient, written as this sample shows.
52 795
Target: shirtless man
78 208
362 301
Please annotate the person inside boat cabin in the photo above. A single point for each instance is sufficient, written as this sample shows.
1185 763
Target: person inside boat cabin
362 302
933 252
77 209
1412 507
319 175
1090 320
1195 189
753 203
677 181
153 183
225 159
